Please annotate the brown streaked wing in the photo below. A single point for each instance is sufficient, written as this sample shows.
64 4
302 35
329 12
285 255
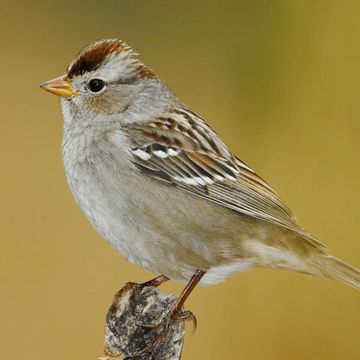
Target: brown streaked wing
174 157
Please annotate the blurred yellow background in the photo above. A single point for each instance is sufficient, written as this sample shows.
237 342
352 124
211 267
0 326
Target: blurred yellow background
280 82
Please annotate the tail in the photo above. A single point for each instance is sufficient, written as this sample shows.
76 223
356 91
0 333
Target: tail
334 268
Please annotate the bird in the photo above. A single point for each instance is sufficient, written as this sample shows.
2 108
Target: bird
158 183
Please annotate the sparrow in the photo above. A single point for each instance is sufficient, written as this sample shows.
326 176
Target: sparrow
157 182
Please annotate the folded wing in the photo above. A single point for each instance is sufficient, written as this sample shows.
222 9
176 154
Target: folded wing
182 150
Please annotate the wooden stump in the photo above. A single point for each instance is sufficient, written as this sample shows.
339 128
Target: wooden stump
126 336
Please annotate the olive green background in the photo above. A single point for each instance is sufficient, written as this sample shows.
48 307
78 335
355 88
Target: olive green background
279 81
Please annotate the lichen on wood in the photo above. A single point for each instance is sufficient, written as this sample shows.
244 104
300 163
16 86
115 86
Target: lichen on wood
128 334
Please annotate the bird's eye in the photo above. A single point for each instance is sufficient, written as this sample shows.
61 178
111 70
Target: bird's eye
96 85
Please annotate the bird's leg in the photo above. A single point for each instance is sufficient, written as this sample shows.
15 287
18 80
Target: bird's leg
174 314
155 282
176 308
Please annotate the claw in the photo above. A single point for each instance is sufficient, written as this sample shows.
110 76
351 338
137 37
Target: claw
188 316
129 286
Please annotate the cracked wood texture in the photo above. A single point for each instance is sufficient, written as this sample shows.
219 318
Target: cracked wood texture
125 338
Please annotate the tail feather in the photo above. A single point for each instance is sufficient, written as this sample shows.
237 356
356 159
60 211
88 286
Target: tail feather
334 268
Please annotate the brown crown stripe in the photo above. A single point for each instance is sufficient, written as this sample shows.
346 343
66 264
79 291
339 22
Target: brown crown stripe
92 57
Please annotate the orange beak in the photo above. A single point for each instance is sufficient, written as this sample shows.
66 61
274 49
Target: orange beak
59 86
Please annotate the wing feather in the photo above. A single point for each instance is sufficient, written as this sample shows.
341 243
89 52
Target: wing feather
183 151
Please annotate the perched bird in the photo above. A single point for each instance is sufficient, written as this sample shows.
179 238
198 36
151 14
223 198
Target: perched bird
157 182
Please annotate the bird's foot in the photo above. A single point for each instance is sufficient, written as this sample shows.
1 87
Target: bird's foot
161 329
135 288
129 287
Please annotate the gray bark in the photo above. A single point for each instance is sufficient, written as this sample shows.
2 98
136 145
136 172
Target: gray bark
126 338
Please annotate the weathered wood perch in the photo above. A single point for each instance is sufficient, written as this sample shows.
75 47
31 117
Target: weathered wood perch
126 338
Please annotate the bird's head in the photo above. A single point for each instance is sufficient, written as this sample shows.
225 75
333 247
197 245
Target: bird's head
102 79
